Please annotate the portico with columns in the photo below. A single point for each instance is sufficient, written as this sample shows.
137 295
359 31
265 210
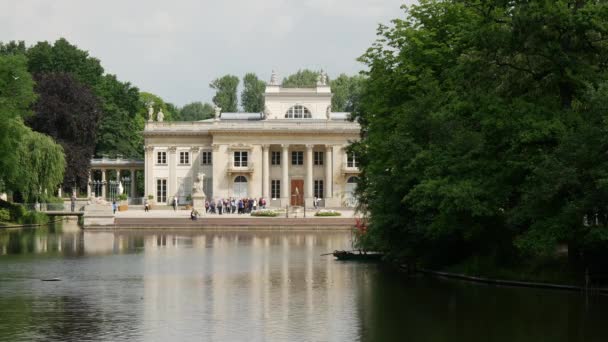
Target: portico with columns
294 151
107 172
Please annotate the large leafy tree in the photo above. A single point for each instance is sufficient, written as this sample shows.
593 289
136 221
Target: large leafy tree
68 111
304 78
482 129
225 93
30 163
196 111
62 56
346 91
119 126
252 97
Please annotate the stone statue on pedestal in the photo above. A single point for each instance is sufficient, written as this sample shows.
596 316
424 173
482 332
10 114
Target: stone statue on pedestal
198 193
328 112
160 116
150 112
218 112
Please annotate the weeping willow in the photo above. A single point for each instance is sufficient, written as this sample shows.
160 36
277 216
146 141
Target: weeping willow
41 164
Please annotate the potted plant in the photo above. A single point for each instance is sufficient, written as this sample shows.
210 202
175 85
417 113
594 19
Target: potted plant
150 200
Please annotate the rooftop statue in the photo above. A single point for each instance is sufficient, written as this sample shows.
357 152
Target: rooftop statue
218 112
150 112
322 79
273 79
160 116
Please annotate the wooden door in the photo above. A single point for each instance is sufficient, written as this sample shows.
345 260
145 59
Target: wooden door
297 192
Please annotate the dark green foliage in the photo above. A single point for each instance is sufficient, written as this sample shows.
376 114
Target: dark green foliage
196 111
64 57
252 97
225 93
119 126
484 130
68 111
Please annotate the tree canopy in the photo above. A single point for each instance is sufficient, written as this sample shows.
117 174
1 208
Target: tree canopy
68 111
30 163
304 78
252 97
225 93
196 111
482 130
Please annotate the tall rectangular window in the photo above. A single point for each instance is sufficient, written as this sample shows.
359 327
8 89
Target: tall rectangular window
275 158
297 158
318 188
184 158
351 160
240 158
161 158
318 158
206 158
161 190
275 188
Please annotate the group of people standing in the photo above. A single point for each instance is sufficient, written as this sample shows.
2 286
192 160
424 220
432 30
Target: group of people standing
234 205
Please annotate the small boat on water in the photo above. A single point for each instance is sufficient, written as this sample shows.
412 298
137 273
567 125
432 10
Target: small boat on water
357 255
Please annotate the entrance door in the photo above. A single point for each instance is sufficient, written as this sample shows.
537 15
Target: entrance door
240 187
297 192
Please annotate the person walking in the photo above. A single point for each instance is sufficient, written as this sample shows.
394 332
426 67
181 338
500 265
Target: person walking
114 207
174 203
314 202
146 205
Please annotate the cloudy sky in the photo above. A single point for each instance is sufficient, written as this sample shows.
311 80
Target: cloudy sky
174 48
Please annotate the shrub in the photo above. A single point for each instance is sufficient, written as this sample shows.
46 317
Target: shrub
328 213
122 197
34 217
5 215
265 213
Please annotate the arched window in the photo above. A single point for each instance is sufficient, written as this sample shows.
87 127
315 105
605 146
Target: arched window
298 112
352 180
240 187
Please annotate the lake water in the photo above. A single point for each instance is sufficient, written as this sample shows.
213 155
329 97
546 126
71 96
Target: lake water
256 286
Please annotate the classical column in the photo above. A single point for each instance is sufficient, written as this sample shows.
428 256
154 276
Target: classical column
308 193
148 176
89 185
285 178
265 171
132 192
172 181
328 174
103 184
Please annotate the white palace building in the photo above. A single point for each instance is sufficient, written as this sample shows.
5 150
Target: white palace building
291 153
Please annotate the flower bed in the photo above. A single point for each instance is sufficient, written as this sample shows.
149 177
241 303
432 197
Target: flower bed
326 213
265 213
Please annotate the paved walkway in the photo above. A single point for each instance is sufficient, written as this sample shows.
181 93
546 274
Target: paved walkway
165 213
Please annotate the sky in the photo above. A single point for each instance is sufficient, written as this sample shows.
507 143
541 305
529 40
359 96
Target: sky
175 48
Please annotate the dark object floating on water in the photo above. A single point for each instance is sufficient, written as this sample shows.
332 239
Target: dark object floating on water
359 256
51 279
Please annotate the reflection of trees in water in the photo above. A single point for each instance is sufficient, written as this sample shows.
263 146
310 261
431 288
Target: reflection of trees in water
41 240
69 318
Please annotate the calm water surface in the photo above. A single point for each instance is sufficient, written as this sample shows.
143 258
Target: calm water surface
259 286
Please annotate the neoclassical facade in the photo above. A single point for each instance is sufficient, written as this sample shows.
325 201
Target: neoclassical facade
291 153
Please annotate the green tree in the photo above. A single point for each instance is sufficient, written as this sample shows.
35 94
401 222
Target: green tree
225 93
196 111
304 78
119 126
68 111
480 124
252 96
157 103
64 57
346 92
13 48
16 97
30 163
